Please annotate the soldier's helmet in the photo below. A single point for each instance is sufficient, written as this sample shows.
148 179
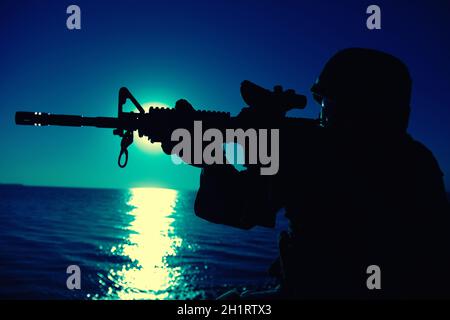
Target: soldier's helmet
364 88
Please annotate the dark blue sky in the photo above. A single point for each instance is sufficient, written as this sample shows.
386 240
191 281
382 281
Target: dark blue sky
198 50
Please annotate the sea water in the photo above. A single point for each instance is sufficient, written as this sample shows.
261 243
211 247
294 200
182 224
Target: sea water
143 243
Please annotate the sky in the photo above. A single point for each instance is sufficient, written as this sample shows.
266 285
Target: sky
197 50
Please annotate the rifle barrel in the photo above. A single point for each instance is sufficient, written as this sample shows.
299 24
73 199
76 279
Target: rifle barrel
132 121
47 119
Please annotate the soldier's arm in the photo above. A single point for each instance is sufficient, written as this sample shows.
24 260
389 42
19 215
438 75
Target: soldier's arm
239 199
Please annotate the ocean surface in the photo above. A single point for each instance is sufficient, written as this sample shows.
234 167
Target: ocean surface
143 243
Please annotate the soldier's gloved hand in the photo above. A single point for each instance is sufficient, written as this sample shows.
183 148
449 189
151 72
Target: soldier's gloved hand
181 106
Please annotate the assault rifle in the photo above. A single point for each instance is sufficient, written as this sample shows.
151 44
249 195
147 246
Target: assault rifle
158 123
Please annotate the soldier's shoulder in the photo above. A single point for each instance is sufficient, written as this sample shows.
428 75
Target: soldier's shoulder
418 147
421 153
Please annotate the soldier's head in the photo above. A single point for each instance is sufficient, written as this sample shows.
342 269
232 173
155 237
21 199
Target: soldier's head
364 89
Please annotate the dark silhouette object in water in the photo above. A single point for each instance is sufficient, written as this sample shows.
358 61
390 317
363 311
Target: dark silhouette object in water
360 192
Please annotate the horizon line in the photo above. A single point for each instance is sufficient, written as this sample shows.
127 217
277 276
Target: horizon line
2 184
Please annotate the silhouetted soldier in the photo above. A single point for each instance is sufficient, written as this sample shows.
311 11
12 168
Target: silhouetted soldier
360 193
